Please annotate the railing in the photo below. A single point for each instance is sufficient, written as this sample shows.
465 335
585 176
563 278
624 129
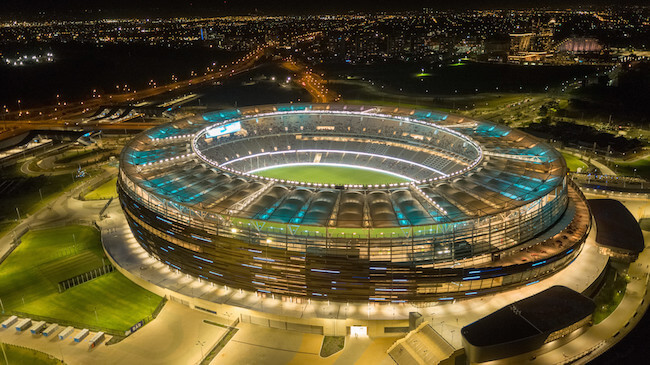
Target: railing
572 359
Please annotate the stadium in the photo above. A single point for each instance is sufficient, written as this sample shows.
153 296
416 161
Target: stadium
408 206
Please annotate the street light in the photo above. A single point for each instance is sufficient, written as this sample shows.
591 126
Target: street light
201 343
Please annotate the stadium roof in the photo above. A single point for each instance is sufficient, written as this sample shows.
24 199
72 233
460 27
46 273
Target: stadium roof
550 310
616 227
462 168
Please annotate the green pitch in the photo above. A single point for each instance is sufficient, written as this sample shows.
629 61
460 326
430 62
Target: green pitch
29 278
327 174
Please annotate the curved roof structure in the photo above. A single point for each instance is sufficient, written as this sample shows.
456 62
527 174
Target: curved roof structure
458 168
579 45
485 207
527 324
617 228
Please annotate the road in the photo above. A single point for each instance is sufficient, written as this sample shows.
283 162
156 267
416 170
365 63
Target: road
66 117
314 83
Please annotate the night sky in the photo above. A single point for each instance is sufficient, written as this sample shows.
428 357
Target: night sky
100 8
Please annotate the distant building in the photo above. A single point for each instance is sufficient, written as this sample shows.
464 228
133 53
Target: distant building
579 46
535 46
521 42
529 57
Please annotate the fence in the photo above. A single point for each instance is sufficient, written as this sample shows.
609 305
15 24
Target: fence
155 312
16 242
289 326
101 179
39 354
87 276
101 212
221 343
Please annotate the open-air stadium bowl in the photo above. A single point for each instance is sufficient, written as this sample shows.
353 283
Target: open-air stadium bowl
484 208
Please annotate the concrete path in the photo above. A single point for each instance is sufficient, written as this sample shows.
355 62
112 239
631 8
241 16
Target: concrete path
260 345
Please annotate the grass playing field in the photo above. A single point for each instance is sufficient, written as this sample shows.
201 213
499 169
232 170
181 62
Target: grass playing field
104 191
119 303
326 174
29 277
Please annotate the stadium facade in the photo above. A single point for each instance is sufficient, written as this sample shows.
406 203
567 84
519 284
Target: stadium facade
485 209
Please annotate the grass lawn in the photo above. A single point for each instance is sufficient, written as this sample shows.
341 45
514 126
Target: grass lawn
24 356
29 278
104 191
573 163
119 303
332 345
29 200
445 104
321 173
641 166
610 295
26 274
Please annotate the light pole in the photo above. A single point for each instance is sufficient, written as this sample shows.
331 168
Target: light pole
201 343
4 353
18 212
